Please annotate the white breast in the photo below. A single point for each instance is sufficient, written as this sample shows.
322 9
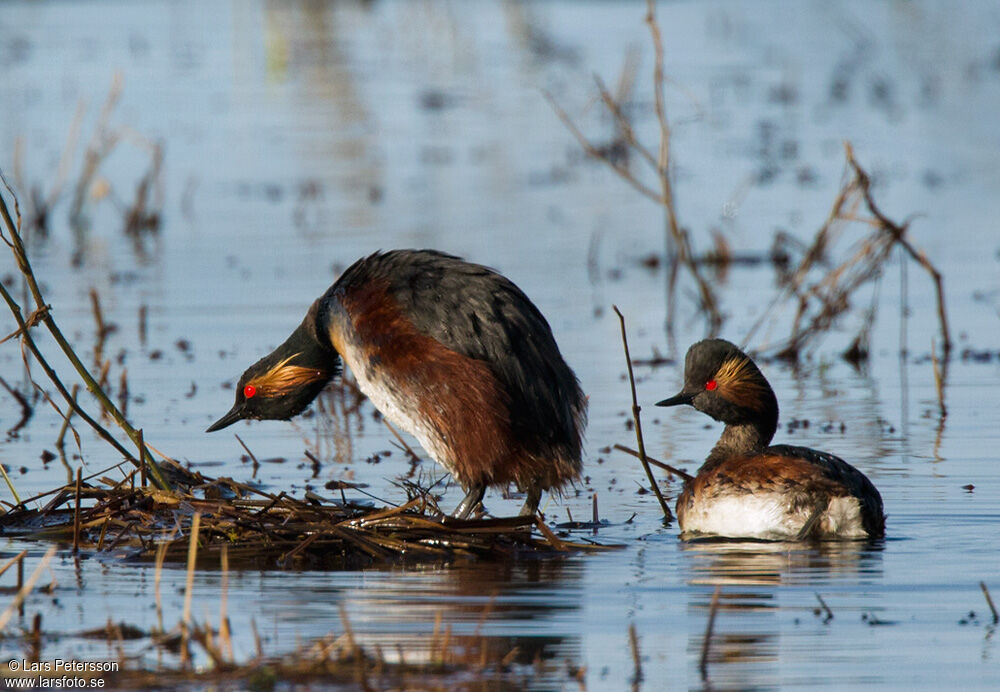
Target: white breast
766 516
389 398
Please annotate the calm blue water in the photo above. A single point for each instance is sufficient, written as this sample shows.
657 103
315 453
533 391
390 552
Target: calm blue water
299 136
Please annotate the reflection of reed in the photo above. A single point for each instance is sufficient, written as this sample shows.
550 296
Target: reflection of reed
338 417
717 645
767 563
744 648
489 610
308 47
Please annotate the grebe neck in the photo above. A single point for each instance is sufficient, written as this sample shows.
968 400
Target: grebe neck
742 439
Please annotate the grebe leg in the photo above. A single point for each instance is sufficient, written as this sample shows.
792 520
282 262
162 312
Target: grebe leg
472 498
530 506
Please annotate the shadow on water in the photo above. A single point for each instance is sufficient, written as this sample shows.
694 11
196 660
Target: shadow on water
746 563
761 614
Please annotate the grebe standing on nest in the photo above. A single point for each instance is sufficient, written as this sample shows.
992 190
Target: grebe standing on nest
453 353
747 489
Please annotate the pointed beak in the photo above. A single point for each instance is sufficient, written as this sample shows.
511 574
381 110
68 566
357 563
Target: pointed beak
677 399
234 415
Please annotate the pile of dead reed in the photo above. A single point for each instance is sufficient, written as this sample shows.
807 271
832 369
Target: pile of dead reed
263 530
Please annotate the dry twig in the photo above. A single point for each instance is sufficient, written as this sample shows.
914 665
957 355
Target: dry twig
679 250
667 514
821 301
16 245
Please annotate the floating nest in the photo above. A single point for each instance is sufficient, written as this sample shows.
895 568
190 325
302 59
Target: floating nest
262 530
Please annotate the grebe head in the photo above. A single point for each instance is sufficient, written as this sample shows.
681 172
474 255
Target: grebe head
284 383
722 381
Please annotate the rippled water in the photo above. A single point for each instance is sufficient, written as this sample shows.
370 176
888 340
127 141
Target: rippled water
299 136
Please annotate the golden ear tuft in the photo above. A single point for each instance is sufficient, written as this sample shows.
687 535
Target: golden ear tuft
740 382
283 378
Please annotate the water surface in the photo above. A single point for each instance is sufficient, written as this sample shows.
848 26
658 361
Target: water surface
300 136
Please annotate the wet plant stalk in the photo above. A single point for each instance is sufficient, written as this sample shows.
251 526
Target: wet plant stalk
667 514
11 562
826 608
189 586
76 513
680 473
26 588
42 314
709 627
10 484
161 553
633 640
989 602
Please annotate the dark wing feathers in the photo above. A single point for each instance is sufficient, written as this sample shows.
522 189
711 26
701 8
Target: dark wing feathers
481 314
836 469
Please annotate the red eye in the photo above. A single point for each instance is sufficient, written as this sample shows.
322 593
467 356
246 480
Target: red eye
249 391
711 384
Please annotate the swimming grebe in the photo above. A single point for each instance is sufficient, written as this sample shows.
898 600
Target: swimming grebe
746 489
453 353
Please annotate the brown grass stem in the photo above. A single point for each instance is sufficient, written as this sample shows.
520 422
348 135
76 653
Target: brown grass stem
10 484
673 470
709 627
161 553
356 653
938 382
898 233
123 393
395 433
225 640
11 562
258 647
189 585
667 514
39 496
553 539
16 245
143 311
61 437
253 457
26 588
826 608
104 532
142 460
436 653
76 512
679 252
633 642
989 602
820 295
101 327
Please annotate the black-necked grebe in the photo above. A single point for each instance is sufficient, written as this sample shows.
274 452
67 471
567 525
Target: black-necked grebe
747 489
453 353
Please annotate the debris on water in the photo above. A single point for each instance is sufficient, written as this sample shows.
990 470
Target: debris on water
874 621
271 531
